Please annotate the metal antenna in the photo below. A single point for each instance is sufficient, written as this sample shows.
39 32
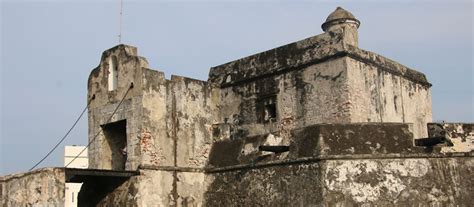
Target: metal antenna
120 22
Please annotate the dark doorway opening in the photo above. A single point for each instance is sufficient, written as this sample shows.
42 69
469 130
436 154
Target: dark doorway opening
116 148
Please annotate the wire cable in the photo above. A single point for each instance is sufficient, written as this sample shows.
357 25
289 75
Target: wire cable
100 130
64 137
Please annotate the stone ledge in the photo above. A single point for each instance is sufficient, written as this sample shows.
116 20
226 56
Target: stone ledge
336 157
170 168
302 160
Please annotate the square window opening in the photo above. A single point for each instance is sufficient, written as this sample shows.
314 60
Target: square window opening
267 109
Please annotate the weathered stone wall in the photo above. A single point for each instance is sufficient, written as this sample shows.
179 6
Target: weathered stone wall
154 135
328 164
318 141
399 182
153 187
380 96
103 103
150 188
283 185
321 80
305 80
377 164
312 95
42 187
353 139
347 182
159 114
168 131
461 136
373 164
195 110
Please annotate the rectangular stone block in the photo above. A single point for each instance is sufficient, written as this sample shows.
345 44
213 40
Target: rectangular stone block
352 139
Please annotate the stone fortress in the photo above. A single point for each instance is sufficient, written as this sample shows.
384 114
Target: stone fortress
318 122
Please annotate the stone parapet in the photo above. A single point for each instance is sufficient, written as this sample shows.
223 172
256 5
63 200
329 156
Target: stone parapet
321 141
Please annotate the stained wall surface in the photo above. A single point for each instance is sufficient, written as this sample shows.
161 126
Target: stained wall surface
309 96
399 182
459 135
306 81
42 187
321 80
340 165
347 182
377 95
157 187
168 131
103 104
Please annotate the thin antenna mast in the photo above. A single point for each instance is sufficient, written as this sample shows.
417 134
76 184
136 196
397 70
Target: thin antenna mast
120 23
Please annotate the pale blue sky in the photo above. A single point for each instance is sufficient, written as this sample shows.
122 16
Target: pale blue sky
48 49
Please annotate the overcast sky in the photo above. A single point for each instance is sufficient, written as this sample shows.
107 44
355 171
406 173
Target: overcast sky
48 49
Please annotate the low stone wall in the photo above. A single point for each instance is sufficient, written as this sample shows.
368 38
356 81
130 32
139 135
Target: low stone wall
370 181
373 164
42 187
399 182
281 185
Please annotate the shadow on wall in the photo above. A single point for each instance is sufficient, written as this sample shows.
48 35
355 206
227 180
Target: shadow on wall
95 190
253 185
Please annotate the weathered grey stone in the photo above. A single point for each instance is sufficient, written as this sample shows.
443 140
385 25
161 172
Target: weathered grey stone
42 187
461 135
398 182
353 139
324 80
286 185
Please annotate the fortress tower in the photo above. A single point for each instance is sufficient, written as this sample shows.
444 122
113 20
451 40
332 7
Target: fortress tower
314 122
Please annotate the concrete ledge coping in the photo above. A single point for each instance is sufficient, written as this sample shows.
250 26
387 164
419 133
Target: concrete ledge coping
81 174
308 160
338 157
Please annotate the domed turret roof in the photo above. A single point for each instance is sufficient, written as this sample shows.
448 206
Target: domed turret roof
339 15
